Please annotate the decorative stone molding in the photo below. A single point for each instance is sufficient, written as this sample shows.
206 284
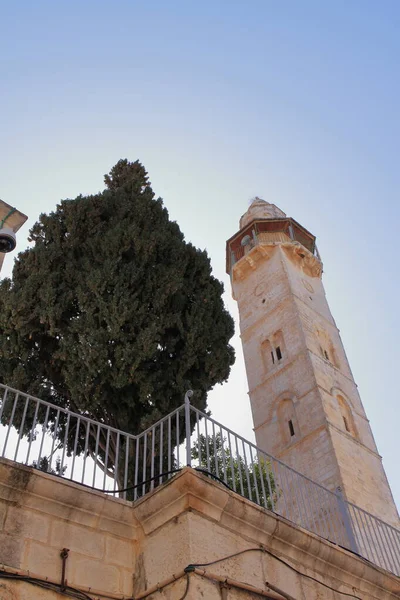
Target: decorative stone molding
250 260
303 259
295 252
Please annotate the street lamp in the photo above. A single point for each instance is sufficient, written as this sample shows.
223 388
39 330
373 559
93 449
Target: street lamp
11 220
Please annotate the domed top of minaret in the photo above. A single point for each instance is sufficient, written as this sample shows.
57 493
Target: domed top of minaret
260 209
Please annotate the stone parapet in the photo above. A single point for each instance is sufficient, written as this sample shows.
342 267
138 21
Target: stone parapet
120 549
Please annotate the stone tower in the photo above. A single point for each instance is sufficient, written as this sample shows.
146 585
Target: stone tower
305 403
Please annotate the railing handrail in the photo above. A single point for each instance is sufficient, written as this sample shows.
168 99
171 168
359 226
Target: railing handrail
365 512
83 417
277 460
202 415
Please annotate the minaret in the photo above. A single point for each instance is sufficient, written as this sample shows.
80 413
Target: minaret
305 403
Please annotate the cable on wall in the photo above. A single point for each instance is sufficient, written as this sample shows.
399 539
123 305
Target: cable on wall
265 551
79 594
48 585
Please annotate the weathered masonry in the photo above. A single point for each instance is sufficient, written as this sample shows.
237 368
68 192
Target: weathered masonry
157 547
305 403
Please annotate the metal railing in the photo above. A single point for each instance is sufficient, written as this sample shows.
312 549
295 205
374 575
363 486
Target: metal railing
268 237
58 441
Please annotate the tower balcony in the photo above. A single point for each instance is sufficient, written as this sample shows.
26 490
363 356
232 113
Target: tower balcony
267 231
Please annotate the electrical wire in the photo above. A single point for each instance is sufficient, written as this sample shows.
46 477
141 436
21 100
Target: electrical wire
80 595
185 593
265 551
214 477
311 577
42 583
138 485
130 488
218 560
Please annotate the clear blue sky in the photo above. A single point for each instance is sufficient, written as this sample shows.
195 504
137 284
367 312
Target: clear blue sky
296 102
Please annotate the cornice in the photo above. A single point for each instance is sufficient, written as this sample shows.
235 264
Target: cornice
305 261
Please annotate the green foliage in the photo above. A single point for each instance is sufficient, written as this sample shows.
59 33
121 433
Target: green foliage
111 313
253 480
44 465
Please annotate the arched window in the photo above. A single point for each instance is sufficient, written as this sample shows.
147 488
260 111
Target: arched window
327 348
288 424
267 355
347 421
247 243
273 350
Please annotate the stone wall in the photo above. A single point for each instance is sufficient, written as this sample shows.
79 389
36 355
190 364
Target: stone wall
119 549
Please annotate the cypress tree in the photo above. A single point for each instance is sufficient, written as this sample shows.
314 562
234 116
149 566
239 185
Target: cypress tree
111 313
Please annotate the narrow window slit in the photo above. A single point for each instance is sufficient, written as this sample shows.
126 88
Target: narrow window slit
291 428
273 358
278 352
346 424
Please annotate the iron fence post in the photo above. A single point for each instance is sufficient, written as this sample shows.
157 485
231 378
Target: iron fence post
344 513
188 395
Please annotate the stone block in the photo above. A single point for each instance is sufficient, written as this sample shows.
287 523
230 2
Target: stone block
126 582
120 529
11 549
68 493
23 523
80 539
94 574
119 552
60 510
43 560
